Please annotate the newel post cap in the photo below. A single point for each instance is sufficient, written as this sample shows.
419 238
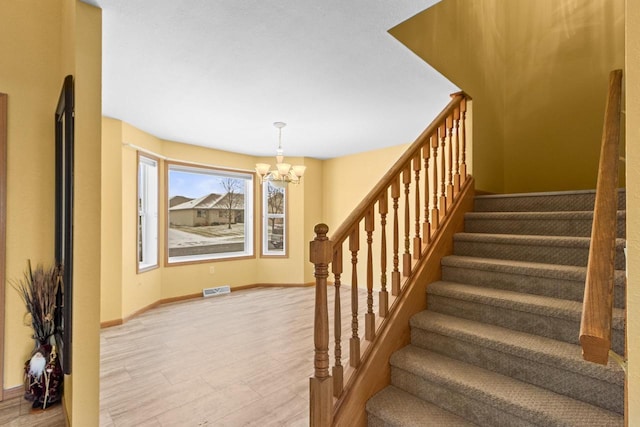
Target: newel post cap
320 248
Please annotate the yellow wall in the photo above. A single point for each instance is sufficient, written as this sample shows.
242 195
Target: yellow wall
632 81
537 71
313 203
40 44
124 291
85 46
190 279
347 180
319 193
546 51
111 220
138 290
30 74
42 41
321 197
473 60
558 56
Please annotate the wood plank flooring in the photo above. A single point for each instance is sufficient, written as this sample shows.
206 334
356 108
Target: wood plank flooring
233 360
242 359
17 412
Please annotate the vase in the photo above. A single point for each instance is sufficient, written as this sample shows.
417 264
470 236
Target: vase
43 375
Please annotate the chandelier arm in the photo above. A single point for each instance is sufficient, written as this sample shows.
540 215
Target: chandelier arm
283 173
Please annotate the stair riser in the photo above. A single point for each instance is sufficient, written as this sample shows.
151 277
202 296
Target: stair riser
550 202
498 377
456 401
536 227
562 255
596 392
556 288
556 328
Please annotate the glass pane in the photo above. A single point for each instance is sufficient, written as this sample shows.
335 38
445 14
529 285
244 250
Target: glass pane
207 214
275 234
147 212
275 199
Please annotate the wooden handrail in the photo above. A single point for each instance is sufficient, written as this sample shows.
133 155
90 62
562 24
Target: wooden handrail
396 170
435 165
595 327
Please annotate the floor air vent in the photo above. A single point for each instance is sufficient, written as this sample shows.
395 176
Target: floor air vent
220 290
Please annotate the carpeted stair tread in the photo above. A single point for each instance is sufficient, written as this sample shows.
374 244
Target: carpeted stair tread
499 342
582 200
523 240
553 280
526 240
551 364
545 306
537 269
544 215
569 223
532 215
394 407
527 346
530 403
565 250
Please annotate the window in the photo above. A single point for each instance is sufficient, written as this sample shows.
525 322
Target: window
274 223
210 213
147 213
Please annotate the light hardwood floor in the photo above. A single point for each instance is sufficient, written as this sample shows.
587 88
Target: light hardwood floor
234 360
240 359
17 412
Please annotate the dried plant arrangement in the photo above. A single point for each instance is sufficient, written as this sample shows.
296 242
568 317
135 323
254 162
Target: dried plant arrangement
43 378
38 289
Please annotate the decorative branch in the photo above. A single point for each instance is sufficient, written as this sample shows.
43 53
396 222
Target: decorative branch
38 289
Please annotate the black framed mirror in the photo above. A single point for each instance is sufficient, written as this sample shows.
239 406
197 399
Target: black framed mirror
64 122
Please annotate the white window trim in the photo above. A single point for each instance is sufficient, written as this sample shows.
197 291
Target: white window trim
248 180
148 191
265 224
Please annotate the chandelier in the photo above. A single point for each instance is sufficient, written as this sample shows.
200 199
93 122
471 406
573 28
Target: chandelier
284 173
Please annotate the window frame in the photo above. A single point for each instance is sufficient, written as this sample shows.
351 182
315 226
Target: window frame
141 266
248 214
264 224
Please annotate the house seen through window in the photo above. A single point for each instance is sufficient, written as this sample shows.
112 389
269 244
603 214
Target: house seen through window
274 232
210 213
147 213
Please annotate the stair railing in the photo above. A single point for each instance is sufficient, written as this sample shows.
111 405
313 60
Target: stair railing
416 194
597 311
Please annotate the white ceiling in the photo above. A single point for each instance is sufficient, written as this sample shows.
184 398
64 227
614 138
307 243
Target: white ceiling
218 73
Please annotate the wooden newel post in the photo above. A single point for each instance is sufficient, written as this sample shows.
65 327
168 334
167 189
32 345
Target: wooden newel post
321 384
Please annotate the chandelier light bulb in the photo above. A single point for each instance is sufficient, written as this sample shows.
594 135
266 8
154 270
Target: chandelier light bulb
284 173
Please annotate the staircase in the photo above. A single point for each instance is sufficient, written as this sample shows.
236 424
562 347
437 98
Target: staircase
498 344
